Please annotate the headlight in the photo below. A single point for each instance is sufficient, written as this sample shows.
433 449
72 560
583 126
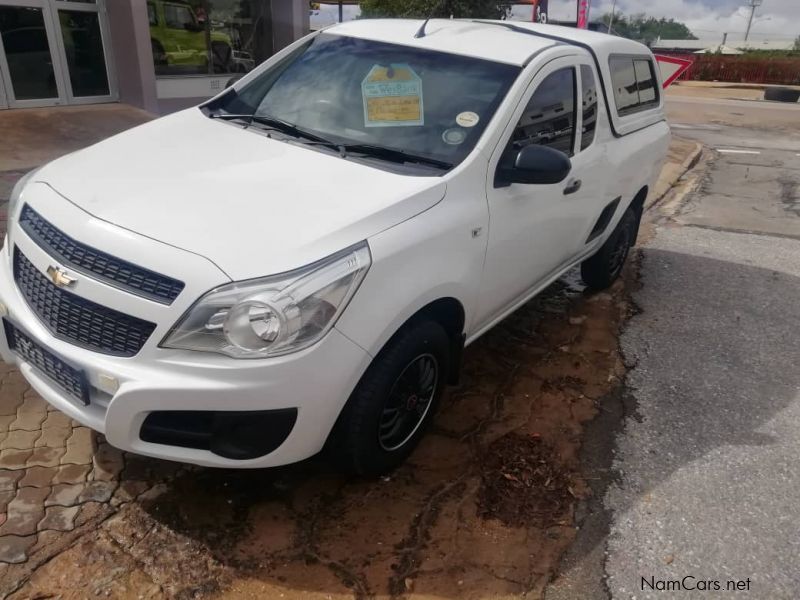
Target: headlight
273 315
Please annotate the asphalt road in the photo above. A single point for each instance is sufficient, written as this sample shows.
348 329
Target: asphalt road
700 481
708 482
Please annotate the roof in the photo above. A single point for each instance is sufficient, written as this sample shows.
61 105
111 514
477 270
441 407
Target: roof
764 45
720 49
741 45
500 41
683 44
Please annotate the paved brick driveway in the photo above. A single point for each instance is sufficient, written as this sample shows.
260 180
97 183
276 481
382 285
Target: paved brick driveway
57 478
52 470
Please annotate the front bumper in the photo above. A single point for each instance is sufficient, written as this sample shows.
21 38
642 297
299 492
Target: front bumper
123 391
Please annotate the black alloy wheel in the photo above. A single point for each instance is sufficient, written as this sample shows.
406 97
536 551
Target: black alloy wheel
408 402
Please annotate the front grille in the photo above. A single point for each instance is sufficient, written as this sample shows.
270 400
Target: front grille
114 271
69 379
77 320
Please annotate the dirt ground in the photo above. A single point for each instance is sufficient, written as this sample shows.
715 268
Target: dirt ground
483 509
718 90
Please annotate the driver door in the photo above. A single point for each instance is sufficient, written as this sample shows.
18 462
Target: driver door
533 227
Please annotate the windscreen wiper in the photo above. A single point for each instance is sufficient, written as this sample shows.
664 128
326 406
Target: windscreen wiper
393 155
291 129
372 150
276 124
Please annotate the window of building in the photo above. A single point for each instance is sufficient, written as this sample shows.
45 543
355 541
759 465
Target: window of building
209 37
178 16
549 117
634 84
589 106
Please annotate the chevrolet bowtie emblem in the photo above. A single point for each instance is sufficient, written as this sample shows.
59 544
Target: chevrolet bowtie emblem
60 277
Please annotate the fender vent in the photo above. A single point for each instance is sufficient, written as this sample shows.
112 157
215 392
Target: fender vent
604 219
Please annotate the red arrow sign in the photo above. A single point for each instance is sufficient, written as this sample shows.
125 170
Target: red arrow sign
671 68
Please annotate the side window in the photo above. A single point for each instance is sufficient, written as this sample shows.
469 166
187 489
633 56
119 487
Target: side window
549 117
623 78
151 14
177 16
634 84
646 82
589 104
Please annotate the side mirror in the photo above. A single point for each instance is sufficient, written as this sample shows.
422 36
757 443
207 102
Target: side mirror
534 164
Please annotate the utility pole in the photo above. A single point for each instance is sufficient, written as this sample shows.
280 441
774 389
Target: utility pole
753 5
611 18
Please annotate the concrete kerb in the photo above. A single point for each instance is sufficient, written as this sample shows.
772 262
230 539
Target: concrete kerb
671 174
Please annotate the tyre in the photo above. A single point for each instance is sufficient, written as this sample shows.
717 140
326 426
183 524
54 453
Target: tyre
159 55
222 56
782 94
394 402
602 268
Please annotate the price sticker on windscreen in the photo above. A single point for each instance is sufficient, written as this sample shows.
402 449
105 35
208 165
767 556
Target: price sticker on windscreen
392 97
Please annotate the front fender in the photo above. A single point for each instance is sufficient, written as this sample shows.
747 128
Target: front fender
431 256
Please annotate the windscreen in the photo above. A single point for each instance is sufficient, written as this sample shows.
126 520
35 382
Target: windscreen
357 91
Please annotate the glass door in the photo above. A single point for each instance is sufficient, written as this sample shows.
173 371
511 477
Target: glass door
84 50
28 65
3 98
54 52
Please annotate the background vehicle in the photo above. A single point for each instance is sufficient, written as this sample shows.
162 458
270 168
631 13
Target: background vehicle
226 308
179 39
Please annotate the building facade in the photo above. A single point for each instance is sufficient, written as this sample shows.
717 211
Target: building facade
159 55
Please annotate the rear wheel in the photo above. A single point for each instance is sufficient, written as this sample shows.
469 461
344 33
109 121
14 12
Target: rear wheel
395 400
602 268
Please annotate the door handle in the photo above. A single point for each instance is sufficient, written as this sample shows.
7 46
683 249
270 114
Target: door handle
573 185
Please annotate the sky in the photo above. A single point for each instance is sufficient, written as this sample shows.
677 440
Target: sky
708 19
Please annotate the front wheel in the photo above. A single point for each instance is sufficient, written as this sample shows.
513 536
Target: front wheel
602 268
394 402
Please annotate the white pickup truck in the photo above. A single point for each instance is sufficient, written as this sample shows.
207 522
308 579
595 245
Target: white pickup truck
298 263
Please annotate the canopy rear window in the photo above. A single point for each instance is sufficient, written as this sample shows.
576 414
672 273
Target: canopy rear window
635 84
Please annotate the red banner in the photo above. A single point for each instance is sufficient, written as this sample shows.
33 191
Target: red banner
583 13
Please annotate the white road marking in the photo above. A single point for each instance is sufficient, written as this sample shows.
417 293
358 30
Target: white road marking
732 151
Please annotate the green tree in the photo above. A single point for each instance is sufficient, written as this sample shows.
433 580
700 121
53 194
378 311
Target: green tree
647 29
422 9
